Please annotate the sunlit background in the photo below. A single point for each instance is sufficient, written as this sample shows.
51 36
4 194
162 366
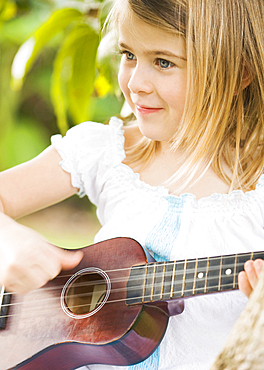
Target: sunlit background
53 76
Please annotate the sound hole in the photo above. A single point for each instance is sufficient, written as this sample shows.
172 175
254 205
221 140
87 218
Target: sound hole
85 293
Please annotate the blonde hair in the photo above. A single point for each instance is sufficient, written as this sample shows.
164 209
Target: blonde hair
223 119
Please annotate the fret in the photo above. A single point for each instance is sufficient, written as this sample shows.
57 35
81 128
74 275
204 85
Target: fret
184 278
206 274
153 282
241 259
178 280
214 268
189 277
136 284
144 284
220 273
168 279
149 282
195 276
200 285
2 290
5 300
173 279
158 282
163 281
228 272
257 255
235 272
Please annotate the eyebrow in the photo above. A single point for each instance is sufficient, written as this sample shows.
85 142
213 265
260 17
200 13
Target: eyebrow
156 52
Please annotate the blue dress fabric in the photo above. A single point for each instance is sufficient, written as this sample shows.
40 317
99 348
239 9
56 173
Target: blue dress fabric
171 228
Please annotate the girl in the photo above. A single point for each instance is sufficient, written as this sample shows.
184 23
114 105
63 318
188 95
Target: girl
184 179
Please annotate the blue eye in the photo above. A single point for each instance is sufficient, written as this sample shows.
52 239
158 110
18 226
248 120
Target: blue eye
163 63
129 55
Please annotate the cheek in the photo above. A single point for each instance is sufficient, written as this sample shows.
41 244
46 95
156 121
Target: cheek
176 96
123 80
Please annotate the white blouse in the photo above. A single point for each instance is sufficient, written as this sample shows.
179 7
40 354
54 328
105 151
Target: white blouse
171 228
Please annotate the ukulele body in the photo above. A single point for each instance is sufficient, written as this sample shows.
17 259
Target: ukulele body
41 332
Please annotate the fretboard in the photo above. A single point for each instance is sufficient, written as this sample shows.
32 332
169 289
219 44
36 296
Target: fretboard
4 301
159 281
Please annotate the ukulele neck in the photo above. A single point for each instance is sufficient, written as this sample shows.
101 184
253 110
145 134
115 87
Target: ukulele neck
4 301
162 281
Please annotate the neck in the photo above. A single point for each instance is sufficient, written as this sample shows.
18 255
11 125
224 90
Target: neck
161 281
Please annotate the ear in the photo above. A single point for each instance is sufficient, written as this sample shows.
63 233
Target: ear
246 79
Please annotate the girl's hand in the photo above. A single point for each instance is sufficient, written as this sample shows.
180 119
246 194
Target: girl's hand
27 260
248 279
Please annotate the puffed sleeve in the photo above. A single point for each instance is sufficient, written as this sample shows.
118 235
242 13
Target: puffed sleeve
88 151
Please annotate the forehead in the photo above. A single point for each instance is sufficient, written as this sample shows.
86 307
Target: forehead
137 34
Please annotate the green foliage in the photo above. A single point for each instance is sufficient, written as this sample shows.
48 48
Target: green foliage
22 142
7 10
75 65
30 49
52 75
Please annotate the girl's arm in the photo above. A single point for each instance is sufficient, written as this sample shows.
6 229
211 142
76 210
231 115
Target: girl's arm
27 260
248 279
34 185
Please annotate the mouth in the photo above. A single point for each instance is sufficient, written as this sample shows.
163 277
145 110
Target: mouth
141 109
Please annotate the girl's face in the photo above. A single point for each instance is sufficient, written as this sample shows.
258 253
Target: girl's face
153 77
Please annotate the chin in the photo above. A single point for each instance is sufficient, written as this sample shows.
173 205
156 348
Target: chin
155 130
149 131
153 135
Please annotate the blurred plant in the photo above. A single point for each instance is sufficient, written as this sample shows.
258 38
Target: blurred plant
7 10
76 73
52 72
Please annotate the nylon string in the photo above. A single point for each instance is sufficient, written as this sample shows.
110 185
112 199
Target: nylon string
120 279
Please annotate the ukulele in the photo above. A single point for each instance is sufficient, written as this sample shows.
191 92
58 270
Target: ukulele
113 308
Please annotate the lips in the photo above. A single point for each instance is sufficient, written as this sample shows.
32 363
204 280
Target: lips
142 109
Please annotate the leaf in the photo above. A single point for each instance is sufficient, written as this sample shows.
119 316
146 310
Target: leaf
108 60
58 96
2 5
8 10
81 83
58 21
74 73
104 11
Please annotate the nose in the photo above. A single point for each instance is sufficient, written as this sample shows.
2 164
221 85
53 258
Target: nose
140 80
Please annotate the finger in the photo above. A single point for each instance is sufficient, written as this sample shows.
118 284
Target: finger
70 259
251 273
16 287
13 280
20 285
24 282
244 284
37 277
258 265
59 259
